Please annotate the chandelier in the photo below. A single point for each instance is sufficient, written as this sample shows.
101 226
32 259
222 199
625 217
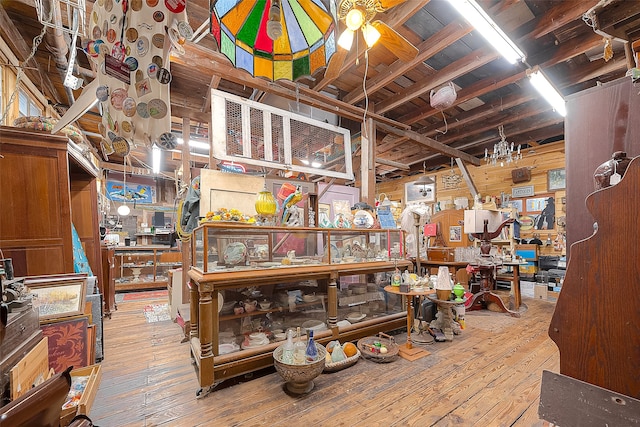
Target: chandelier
503 151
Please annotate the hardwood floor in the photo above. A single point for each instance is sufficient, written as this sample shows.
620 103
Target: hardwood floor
488 376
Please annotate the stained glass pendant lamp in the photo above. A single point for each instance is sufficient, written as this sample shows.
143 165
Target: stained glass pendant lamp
274 39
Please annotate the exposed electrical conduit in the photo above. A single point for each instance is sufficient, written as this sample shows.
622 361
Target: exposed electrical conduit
56 43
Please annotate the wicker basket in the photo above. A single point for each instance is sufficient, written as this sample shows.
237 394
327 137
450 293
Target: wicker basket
343 364
366 347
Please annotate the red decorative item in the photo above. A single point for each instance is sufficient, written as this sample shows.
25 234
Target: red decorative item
430 230
67 343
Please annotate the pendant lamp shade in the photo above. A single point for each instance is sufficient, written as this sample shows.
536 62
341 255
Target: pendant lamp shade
250 35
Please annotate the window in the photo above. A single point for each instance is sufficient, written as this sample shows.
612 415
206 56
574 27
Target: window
28 107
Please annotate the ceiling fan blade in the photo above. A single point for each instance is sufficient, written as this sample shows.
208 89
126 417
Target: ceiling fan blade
386 4
335 63
393 41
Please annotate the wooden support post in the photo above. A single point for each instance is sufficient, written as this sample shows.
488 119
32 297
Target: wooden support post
186 176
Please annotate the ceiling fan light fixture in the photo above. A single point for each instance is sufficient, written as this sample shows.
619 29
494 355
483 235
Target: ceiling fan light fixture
547 90
354 19
371 35
476 16
346 39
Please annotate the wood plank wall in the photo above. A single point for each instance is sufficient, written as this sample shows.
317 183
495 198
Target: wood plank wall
493 180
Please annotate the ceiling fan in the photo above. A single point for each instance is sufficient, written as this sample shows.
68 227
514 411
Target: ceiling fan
358 15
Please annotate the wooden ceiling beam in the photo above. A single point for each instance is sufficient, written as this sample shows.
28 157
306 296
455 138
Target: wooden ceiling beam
397 165
393 18
616 13
563 13
436 43
477 89
431 143
480 113
19 47
214 62
452 71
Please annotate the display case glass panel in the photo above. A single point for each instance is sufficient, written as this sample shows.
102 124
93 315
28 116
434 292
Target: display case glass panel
255 316
222 247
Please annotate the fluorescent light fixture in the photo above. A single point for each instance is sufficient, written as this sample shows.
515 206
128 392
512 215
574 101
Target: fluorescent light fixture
195 144
546 89
371 35
156 157
482 22
346 39
314 164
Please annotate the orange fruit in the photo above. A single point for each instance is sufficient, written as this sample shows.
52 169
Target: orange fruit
349 349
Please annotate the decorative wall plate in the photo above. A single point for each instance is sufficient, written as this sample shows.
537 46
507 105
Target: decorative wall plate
235 253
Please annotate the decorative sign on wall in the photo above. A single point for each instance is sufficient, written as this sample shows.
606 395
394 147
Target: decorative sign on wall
134 192
525 191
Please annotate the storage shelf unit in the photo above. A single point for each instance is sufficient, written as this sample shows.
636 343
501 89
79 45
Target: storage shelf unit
303 288
144 267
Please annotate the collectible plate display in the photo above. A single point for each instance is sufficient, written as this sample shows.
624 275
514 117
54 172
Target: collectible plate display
363 219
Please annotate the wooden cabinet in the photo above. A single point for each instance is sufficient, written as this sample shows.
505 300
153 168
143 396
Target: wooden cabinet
46 186
323 284
600 121
35 225
144 267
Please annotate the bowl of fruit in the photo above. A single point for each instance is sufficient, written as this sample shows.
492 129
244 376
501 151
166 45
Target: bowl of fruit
344 356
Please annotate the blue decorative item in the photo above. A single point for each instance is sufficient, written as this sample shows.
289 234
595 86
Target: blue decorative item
80 261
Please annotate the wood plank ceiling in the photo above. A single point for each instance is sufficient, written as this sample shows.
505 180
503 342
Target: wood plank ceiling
558 36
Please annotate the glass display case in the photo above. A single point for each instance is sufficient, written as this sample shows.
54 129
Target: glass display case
234 247
251 284
144 267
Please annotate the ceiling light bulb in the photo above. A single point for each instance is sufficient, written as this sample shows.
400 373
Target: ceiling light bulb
274 30
354 19
124 210
346 39
371 35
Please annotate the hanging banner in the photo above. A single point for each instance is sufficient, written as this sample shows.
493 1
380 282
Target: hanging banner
137 193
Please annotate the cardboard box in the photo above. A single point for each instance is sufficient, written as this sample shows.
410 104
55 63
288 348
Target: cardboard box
527 289
94 372
540 292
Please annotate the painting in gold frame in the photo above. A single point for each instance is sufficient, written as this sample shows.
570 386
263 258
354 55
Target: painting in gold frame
57 297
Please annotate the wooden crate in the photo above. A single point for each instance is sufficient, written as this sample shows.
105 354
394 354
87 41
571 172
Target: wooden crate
94 372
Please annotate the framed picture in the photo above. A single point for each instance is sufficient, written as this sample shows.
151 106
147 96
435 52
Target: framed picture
420 193
68 341
58 297
556 179
516 204
455 233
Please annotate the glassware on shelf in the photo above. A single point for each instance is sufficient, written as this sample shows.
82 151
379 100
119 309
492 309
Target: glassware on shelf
299 349
287 350
311 352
